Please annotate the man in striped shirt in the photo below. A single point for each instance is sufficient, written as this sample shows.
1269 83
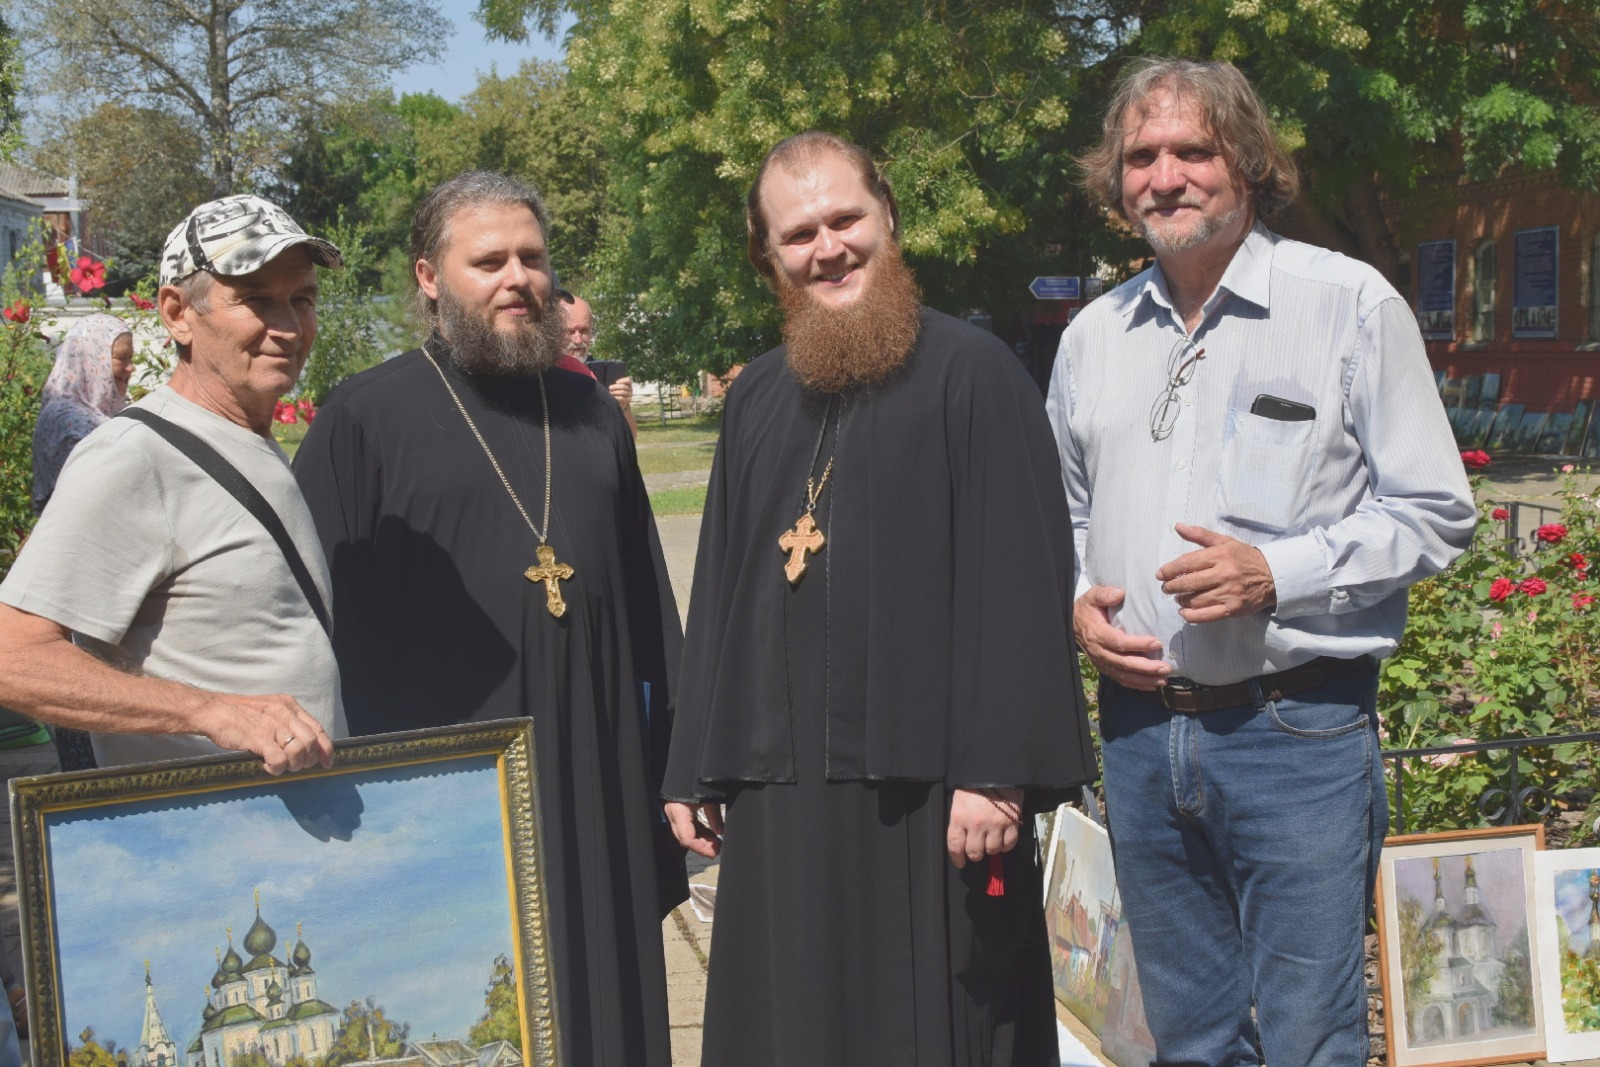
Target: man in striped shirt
1258 466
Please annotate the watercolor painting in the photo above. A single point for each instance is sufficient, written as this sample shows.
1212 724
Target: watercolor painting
310 921
1456 947
1568 888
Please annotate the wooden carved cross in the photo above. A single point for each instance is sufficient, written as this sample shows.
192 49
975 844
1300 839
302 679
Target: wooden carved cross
805 537
551 574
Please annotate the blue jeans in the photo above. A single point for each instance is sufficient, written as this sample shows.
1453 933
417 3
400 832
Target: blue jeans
1246 842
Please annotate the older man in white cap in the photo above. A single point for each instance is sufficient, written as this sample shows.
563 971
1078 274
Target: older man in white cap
173 598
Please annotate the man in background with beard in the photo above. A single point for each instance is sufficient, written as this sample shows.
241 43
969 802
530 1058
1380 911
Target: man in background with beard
494 555
879 680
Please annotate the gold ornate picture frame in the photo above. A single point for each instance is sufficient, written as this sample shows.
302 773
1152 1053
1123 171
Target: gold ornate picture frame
202 913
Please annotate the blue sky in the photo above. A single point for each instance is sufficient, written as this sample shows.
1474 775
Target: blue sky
470 53
412 908
1572 901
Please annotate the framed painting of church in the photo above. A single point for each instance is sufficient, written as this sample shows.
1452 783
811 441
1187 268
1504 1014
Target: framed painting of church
201 913
1457 955
1567 894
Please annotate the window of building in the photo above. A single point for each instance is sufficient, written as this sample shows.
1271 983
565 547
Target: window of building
1483 279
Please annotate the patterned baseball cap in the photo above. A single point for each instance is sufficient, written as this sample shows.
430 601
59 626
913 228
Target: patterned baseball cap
236 235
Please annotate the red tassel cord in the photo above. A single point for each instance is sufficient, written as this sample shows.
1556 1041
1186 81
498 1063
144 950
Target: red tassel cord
997 876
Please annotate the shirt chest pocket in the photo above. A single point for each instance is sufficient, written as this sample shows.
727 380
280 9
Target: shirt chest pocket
1266 471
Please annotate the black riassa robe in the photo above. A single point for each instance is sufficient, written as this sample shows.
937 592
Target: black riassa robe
435 624
928 647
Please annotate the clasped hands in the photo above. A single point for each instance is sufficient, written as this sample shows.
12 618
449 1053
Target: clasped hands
1222 579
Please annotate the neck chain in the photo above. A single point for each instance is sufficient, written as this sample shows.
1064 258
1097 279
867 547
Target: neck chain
805 536
547 570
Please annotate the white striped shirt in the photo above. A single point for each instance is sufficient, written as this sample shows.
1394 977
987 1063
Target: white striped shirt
1349 508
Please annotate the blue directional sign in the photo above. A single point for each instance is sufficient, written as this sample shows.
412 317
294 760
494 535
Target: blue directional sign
1054 287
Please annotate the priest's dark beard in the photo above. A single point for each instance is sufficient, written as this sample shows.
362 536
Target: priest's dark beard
476 347
831 350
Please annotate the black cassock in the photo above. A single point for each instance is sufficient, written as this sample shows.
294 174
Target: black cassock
435 624
927 647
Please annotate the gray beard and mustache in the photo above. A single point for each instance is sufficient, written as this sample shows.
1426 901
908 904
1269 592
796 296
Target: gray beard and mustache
831 350
1207 227
476 347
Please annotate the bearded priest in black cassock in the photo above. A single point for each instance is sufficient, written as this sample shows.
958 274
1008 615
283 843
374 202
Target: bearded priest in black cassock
494 555
879 677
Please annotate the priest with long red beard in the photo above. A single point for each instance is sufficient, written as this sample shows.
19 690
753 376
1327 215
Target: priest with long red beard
879 684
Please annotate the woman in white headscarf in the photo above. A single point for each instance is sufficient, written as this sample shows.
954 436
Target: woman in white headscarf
88 385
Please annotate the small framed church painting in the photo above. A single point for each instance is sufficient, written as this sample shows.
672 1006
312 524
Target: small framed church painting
1456 951
201 913
1567 893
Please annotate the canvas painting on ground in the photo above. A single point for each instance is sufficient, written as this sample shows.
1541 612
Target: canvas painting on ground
368 913
1090 951
1455 938
1082 913
1567 888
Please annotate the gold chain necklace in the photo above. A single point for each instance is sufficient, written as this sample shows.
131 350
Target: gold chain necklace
548 570
805 536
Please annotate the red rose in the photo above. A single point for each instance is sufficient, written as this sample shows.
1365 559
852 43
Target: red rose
1476 459
1579 561
1500 514
1501 588
1552 533
284 412
307 409
18 313
141 303
1582 600
1532 586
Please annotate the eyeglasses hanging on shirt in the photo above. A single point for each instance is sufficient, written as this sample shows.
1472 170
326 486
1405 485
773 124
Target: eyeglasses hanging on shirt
1180 370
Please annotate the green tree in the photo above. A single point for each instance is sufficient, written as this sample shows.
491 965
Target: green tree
1380 96
1418 963
1515 1004
252 1058
239 70
90 1053
141 168
349 333
10 85
24 365
501 1020
967 105
366 1033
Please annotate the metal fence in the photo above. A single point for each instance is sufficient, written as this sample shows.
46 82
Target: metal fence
1524 519
1510 799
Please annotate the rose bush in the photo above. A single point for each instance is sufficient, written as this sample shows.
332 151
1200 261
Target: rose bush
1500 646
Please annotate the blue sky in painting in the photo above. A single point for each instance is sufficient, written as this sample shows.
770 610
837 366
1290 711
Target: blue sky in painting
1572 901
412 908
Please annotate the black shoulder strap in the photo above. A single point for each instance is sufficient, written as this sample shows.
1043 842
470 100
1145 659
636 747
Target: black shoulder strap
227 475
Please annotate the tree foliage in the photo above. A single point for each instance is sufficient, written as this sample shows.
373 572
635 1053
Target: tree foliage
966 105
10 85
500 1021
366 1033
240 70
1379 96
142 169
90 1053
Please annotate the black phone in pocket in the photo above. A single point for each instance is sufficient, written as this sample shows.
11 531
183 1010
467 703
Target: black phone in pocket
1275 407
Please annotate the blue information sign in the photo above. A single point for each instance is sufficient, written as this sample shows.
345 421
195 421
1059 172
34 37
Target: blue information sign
1054 287
1533 282
1436 290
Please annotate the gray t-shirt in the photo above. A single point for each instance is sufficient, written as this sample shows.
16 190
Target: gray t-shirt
154 565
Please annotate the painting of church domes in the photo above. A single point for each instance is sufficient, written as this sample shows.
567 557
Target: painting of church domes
354 918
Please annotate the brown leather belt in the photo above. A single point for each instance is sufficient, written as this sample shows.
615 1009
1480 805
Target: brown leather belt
1192 698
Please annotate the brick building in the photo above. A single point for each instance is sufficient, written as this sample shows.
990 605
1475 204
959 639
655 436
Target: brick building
1505 278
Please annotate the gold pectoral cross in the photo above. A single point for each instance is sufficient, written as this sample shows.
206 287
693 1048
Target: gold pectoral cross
551 574
805 537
